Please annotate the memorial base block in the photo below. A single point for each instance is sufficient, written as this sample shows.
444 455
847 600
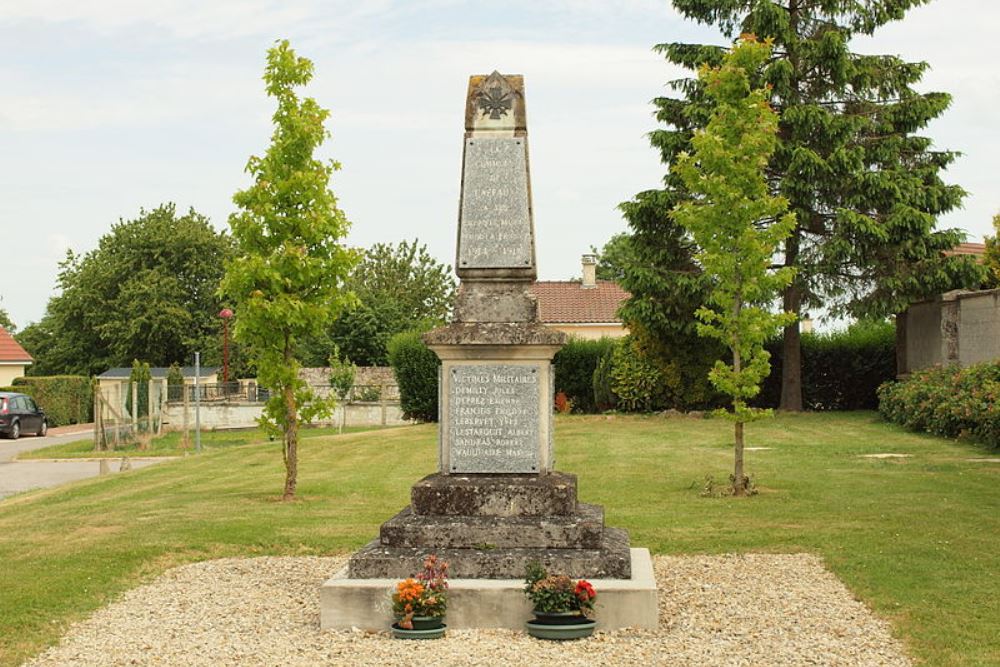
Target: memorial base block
363 603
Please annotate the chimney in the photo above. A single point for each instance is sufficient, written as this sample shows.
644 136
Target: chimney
589 271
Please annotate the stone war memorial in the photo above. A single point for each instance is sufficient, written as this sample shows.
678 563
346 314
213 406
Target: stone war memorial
497 501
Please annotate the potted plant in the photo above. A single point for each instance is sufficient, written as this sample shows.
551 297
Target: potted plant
419 603
562 607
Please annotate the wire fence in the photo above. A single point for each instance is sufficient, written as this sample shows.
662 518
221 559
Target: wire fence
251 392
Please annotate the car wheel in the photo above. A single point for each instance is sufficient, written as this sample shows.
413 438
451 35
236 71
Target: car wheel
15 430
43 429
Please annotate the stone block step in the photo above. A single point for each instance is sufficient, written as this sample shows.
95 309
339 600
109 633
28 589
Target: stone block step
583 529
611 561
550 494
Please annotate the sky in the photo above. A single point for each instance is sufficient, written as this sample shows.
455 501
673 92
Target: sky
111 106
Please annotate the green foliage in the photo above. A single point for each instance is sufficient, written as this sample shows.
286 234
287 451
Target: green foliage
286 281
736 222
342 374
991 260
637 384
66 399
841 370
6 322
574 365
399 287
865 189
557 593
615 257
604 397
146 292
139 378
951 402
416 368
175 376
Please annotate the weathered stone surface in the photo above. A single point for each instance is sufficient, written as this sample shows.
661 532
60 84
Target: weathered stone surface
495 102
582 530
552 494
495 230
495 333
495 302
611 561
492 416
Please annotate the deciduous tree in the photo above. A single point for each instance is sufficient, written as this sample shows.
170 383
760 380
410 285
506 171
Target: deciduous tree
738 226
287 278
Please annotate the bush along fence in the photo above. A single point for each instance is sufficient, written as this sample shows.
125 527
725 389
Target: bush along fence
66 399
840 371
951 402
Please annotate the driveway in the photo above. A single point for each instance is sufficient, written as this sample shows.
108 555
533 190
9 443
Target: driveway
20 476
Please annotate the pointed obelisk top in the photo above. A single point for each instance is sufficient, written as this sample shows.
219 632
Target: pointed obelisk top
495 102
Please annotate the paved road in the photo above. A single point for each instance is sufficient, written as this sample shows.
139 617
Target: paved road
19 476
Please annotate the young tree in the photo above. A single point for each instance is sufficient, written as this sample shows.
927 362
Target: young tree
286 280
739 226
865 189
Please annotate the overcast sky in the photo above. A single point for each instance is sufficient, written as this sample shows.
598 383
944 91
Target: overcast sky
110 106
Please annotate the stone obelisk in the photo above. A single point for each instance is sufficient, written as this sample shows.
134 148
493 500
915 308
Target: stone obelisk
496 502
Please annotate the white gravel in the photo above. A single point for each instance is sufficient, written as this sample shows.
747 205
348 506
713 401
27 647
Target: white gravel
714 610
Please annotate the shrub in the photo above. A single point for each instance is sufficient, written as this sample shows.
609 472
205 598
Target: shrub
66 399
840 370
635 381
416 370
604 397
950 402
574 365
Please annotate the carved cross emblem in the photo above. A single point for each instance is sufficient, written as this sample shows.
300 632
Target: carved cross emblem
495 101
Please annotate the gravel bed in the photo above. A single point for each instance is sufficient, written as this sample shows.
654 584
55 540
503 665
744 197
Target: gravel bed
714 610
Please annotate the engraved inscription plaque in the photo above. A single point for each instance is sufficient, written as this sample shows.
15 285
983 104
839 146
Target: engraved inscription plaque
495 226
493 418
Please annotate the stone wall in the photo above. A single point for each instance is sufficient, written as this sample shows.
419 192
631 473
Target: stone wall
957 328
220 416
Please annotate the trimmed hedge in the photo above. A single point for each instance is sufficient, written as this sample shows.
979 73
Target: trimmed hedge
841 370
66 399
950 402
574 365
416 370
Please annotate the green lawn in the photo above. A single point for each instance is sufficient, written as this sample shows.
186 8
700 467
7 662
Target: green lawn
918 539
173 444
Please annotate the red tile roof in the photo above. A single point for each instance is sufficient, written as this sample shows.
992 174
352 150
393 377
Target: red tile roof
566 301
978 249
10 350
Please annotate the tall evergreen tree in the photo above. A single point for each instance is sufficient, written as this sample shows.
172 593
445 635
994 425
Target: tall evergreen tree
866 190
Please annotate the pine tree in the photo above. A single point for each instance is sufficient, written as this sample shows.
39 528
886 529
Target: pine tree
865 189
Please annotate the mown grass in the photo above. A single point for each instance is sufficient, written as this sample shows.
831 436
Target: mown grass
174 444
917 538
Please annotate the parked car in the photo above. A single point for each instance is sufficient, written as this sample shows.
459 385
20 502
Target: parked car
19 414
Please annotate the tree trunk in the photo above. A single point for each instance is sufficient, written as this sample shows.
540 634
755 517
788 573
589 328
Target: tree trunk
739 479
291 434
791 349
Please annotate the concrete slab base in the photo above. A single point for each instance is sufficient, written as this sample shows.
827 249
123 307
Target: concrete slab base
489 603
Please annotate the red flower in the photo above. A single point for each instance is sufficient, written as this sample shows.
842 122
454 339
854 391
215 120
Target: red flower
584 591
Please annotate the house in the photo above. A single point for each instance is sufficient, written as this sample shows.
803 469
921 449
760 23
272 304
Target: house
14 360
585 309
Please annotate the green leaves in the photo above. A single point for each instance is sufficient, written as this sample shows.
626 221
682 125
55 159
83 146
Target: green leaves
287 279
736 222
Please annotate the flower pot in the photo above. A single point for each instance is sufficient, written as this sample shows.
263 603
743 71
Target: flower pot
571 627
558 617
424 633
427 622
